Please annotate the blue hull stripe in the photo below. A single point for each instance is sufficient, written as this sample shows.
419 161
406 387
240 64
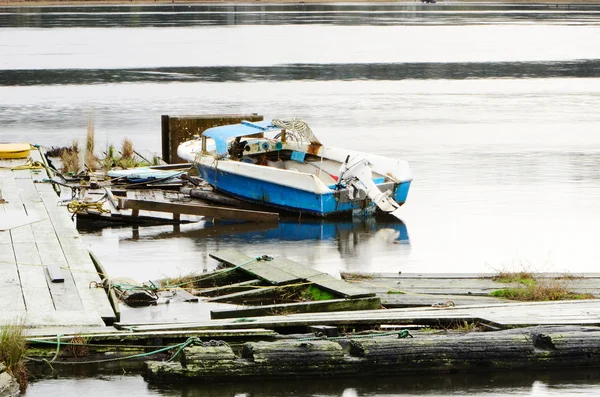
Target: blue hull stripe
284 197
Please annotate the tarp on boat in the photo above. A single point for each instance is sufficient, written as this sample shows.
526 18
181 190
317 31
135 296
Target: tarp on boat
224 133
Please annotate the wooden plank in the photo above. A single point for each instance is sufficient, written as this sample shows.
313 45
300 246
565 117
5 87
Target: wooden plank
372 303
242 294
228 289
10 284
198 209
339 287
76 257
418 300
56 275
260 269
271 274
106 334
299 270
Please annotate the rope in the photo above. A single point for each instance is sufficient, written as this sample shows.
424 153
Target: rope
140 355
77 206
57 348
184 345
29 165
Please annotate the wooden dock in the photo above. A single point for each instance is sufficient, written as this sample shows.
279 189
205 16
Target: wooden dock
495 316
47 275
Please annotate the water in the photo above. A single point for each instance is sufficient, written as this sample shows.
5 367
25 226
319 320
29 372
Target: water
495 108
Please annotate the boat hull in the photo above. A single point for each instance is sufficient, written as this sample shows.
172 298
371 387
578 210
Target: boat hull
287 198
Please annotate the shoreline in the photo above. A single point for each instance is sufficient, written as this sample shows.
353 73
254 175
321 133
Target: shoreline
38 3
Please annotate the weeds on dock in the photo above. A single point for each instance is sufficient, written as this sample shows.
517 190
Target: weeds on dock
533 288
355 276
540 290
395 292
522 277
12 351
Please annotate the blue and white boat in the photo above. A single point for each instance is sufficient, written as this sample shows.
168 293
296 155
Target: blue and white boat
281 164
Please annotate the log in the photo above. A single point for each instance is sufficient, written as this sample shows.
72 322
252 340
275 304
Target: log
533 348
536 348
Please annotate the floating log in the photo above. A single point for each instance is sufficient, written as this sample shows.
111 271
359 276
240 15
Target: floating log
532 348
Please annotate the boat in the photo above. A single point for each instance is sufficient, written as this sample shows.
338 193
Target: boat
14 150
281 164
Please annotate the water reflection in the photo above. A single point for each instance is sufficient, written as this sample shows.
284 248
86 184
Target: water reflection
248 14
524 383
175 250
307 72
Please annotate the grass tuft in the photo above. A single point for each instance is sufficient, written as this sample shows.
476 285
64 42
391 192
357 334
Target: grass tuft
540 290
395 292
12 351
355 276
127 149
522 277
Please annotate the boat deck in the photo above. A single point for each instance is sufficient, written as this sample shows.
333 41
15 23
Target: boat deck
47 276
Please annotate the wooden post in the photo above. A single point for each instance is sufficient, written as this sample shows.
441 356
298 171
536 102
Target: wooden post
178 129
166 152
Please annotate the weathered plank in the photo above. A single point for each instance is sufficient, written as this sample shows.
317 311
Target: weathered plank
372 303
301 271
228 289
501 315
257 267
199 209
339 287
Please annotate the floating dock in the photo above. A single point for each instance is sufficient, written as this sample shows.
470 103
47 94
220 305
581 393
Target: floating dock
47 276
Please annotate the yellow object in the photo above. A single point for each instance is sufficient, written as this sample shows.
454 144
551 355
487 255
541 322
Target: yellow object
14 150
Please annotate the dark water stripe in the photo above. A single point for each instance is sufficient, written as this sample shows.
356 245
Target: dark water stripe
300 72
214 15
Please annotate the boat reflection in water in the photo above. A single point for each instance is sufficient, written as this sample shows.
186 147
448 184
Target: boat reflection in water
359 245
362 244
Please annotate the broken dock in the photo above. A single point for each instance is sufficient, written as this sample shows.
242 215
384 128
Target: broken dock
48 277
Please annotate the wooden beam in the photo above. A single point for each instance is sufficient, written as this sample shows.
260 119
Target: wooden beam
203 210
300 307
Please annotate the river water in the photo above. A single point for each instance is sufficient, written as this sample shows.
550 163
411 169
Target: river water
494 106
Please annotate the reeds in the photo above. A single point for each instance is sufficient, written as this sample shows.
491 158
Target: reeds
90 160
12 351
69 158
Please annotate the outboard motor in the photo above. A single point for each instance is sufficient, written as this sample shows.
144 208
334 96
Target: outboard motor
357 175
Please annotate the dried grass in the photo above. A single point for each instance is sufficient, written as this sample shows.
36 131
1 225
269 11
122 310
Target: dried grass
12 351
90 160
127 151
69 158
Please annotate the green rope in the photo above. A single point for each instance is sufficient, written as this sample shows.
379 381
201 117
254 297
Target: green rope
57 347
140 355
187 343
